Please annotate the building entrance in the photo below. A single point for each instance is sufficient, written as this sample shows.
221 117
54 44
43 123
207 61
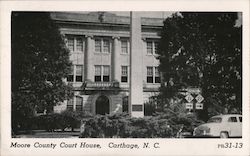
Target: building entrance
102 105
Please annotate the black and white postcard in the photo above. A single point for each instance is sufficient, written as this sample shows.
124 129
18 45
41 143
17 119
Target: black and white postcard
125 78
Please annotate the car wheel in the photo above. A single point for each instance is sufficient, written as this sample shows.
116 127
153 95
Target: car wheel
223 135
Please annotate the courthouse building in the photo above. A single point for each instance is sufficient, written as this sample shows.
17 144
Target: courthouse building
99 44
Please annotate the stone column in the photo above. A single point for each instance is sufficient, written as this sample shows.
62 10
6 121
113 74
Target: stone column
88 59
115 60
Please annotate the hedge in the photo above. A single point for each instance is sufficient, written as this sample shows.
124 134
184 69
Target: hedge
122 126
53 121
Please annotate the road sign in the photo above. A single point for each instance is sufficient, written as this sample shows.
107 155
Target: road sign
189 98
199 98
189 106
199 106
193 90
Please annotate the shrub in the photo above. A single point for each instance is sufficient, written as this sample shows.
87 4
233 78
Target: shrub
123 126
66 119
161 125
186 122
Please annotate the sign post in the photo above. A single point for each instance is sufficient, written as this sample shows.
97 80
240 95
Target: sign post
189 96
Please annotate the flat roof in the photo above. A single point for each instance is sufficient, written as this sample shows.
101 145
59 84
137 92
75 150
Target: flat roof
108 18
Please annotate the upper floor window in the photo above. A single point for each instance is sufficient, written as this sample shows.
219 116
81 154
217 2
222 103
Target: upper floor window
153 75
106 46
71 44
125 46
102 45
70 77
152 47
79 44
156 45
79 71
98 45
149 48
157 75
102 73
76 74
76 44
149 74
124 74
98 73
106 73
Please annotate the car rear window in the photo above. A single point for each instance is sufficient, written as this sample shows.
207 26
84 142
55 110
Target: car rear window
240 119
214 120
232 119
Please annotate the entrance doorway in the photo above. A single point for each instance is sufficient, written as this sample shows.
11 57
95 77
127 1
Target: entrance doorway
102 105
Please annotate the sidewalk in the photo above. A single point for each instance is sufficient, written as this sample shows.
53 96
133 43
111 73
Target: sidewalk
45 134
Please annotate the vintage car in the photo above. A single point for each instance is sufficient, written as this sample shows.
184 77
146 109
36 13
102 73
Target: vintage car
223 126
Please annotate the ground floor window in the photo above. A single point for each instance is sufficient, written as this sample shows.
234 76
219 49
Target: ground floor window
70 105
78 104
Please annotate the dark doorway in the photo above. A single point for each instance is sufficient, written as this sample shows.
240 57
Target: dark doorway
125 104
102 105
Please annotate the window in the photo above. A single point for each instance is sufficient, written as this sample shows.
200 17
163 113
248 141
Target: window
153 75
98 45
71 44
70 103
106 46
98 73
102 45
124 75
215 120
106 73
240 119
152 47
232 119
157 75
124 46
70 77
149 74
149 48
76 76
156 44
79 73
102 73
79 103
76 44
79 44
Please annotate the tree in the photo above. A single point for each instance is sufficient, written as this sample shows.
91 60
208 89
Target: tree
39 62
203 50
